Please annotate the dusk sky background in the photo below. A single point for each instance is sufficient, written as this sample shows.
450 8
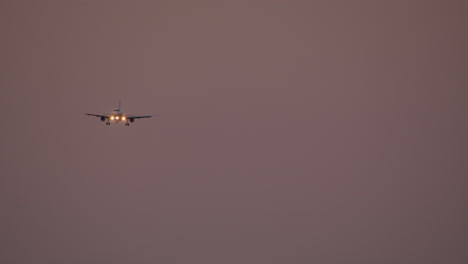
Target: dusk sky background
290 132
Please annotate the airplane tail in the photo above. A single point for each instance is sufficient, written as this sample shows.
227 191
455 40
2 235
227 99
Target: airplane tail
119 102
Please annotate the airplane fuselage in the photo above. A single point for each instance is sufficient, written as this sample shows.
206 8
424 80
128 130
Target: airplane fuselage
117 116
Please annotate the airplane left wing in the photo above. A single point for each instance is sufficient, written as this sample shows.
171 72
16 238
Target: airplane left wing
138 117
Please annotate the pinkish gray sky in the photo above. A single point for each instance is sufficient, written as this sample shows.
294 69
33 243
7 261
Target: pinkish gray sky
290 132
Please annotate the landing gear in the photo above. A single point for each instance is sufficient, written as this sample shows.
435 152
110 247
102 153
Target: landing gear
107 123
127 124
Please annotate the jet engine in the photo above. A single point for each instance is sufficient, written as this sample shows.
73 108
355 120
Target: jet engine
103 118
132 119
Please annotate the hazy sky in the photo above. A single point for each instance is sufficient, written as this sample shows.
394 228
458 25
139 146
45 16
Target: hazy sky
290 132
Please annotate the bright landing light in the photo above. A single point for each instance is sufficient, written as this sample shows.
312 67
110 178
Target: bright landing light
117 117
123 117
112 118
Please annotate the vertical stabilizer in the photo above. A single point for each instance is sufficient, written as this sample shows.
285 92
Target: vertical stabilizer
119 102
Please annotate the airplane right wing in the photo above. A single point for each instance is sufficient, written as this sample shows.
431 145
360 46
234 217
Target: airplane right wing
105 116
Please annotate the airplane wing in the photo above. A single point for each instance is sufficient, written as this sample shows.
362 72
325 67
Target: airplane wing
138 117
106 116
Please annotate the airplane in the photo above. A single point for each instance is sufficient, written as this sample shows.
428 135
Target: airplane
116 116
